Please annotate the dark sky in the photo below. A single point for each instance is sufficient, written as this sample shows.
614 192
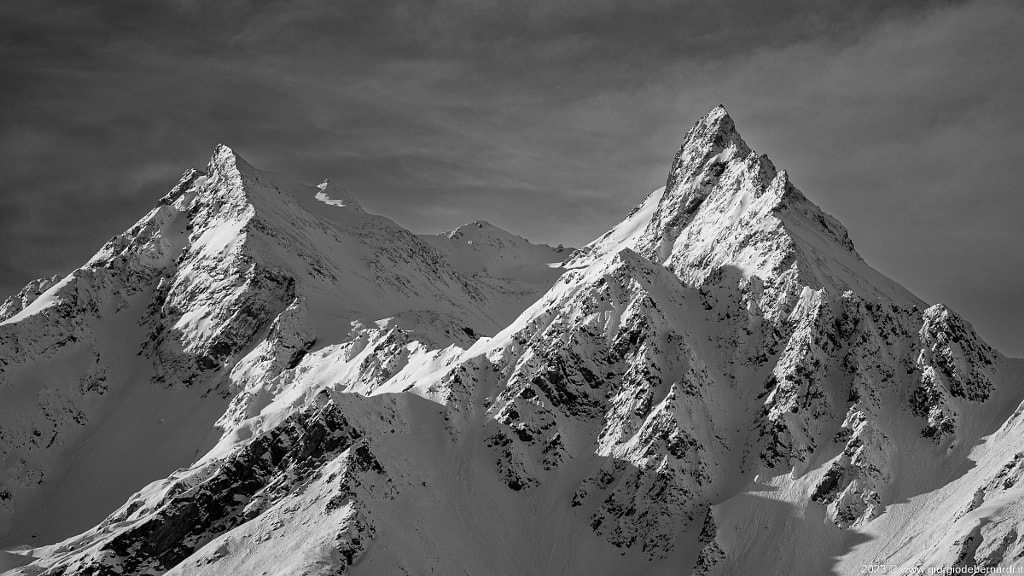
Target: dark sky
550 119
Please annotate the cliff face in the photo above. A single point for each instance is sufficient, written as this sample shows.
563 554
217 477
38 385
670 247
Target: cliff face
718 384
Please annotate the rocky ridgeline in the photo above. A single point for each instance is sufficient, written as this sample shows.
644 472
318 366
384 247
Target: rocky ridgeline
152 535
736 336
210 288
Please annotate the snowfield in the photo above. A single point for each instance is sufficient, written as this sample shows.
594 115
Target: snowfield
259 377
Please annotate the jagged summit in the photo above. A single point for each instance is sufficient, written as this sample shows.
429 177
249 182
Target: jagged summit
718 385
228 173
724 205
224 153
235 272
713 134
226 162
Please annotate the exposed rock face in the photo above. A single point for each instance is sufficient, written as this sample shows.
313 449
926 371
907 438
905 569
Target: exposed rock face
230 280
719 365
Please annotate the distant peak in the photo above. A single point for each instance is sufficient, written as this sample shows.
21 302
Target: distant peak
334 195
478 228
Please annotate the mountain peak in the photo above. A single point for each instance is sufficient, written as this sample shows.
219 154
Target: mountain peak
717 126
227 159
717 116
482 232
476 228
223 151
726 207
300 372
716 122
480 247
707 146
227 164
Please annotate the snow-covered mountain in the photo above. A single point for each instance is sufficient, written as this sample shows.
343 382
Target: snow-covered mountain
115 375
510 265
260 377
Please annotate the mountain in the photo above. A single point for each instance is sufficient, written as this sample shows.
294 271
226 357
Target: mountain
115 375
718 385
511 265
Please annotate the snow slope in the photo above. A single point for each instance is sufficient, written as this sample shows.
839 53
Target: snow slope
508 264
115 375
718 385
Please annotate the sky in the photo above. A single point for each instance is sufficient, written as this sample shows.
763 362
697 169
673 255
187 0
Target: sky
550 119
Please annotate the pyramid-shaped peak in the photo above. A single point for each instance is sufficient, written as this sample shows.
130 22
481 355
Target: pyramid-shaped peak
724 205
223 154
229 163
712 141
714 132
718 116
223 151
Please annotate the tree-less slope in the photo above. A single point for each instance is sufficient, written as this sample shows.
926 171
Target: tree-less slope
718 385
